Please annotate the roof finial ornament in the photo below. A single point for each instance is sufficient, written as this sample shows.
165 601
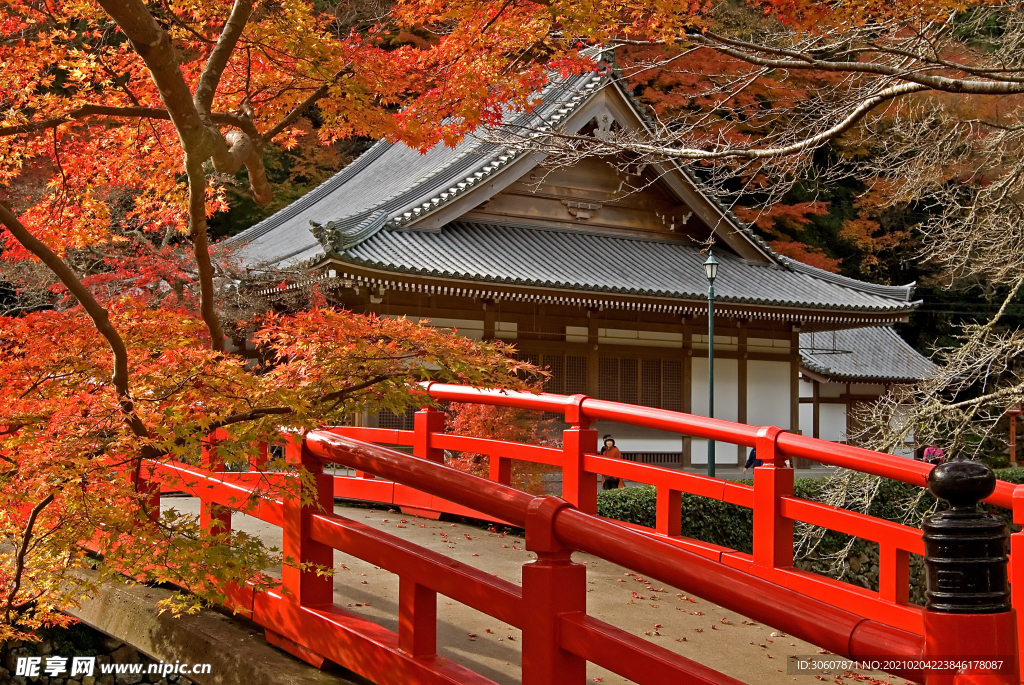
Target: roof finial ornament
328 236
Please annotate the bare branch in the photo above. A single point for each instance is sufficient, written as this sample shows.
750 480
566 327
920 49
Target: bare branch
19 560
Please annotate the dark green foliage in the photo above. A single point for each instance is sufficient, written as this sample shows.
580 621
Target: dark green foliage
292 174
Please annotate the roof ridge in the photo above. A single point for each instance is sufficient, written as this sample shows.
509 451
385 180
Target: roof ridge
576 231
310 198
901 292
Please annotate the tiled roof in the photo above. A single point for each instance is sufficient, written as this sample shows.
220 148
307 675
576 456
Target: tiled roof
361 216
877 353
391 185
579 260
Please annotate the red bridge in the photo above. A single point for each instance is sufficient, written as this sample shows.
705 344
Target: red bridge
550 607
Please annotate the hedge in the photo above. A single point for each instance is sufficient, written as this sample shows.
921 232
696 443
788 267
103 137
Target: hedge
731 525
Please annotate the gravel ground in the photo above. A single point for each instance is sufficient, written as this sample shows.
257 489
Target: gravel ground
671 617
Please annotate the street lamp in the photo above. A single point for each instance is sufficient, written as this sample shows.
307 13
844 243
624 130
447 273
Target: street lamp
711 271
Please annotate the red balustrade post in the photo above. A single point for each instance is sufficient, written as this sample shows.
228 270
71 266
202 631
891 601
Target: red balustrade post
215 518
773 532
417 618
148 489
893 573
669 515
579 487
306 587
500 469
553 585
258 461
1017 564
426 422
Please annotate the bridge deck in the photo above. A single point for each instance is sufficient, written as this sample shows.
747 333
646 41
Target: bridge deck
732 648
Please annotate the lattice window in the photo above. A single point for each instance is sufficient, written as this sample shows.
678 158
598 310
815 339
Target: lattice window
672 385
608 379
556 367
650 382
575 375
629 376
392 421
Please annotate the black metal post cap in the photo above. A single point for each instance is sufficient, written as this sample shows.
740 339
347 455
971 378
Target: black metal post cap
962 482
965 549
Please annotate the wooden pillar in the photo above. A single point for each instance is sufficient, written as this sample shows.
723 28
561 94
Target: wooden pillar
687 385
741 381
816 412
794 390
849 412
489 321
794 380
593 357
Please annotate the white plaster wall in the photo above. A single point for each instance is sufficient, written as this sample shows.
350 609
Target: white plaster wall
726 404
576 334
622 336
638 439
807 419
832 422
768 393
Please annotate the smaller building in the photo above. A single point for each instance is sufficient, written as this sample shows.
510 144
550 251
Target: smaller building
840 369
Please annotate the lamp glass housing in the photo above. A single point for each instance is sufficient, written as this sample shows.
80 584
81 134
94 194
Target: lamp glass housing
711 268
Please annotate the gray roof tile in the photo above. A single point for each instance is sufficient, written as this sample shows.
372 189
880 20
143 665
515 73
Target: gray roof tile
582 260
877 353
391 180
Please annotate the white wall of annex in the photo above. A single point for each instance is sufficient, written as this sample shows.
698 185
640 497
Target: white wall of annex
832 422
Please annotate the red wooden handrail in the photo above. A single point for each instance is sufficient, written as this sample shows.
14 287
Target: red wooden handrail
839 631
790 444
559 638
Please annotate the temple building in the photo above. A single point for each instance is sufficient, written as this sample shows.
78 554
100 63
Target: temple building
596 272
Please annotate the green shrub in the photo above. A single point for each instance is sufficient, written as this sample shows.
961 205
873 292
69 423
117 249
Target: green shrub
731 526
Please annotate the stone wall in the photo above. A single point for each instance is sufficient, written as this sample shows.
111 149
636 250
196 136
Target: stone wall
80 640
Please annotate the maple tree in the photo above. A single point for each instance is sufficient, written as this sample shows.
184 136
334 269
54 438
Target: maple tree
507 424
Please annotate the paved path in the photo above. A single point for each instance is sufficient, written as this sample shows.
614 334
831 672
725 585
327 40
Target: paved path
721 639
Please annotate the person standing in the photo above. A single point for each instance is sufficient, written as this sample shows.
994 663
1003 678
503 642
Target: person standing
752 460
933 454
612 452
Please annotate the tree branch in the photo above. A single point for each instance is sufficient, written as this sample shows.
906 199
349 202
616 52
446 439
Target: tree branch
86 111
99 315
206 89
19 563
154 46
297 111
201 248
743 50
612 146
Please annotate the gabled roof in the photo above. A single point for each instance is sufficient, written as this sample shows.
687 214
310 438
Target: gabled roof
877 353
580 260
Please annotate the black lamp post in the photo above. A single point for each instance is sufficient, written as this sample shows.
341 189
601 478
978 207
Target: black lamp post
711 271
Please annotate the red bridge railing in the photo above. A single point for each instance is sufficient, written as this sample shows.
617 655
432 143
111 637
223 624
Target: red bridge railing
559 637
